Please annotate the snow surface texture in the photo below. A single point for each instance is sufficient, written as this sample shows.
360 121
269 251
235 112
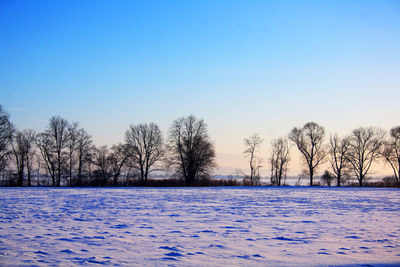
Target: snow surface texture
199 226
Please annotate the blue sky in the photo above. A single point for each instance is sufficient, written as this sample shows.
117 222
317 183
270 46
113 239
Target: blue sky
243 66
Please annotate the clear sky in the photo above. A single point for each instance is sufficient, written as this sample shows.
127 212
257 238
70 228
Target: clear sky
243 66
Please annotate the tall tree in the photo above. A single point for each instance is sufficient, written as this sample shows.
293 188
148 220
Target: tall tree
58 131
192 152
18 152
391 152
46 147
252 145
145 148
338 150
52 143
279 159
72 143
118 159
103 163
6 134
365 148
23 153
84 152
309 140
29 137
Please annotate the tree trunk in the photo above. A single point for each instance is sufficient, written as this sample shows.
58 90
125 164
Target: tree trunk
190 179
70 173
361 178
59 170
115 182
79 182
29 178
20 179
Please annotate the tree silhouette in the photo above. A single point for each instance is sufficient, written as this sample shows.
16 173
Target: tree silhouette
309 140
118 159
252 145
279 159
72 143
23 152
338 150
57 132
84 153
391 152
46 146
18 152
190 148
327 178
102 161
144 147
6 134
365 148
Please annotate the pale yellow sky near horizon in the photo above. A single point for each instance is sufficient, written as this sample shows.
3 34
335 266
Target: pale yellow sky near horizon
228 164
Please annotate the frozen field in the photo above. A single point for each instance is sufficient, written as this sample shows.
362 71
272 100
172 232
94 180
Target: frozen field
199 226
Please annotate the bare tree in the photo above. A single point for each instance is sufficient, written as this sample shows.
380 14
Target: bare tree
45 144
191 151
23 154
279 159
338 150
309 140
103 163
252 146
118 159
18 152
145 148
84 152
327 178
58 132
365 146
38 166
6 134
72 143
52 143
391 152
30 152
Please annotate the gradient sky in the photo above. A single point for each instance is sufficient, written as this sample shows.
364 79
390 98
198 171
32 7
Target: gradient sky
243 66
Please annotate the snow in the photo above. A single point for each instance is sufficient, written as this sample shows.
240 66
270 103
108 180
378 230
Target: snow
242 226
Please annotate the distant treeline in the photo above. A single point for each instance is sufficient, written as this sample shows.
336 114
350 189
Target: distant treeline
64 155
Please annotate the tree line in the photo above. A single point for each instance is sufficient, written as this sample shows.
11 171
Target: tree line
349 156
64 154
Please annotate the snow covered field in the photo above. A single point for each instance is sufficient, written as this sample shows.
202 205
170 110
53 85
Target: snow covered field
199 226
